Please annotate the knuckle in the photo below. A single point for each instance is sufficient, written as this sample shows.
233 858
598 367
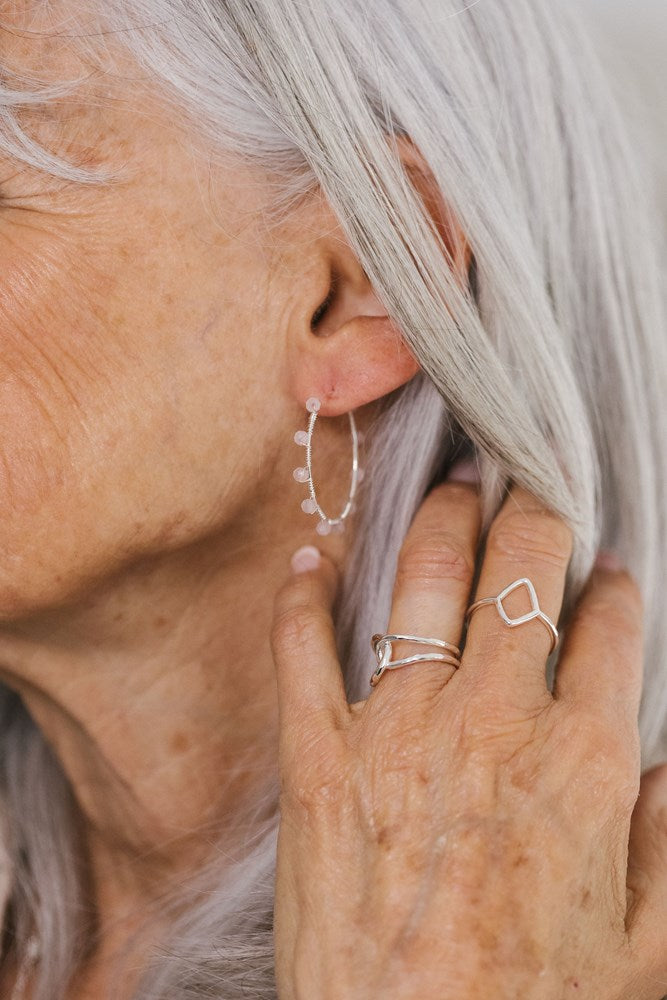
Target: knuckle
435 555
608 753
317 781
541 536
299 589
599 768
298 794
294 626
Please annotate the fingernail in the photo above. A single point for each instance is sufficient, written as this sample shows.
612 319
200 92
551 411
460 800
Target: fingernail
608 560
306 558
464 471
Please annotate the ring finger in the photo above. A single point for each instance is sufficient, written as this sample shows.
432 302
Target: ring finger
526 540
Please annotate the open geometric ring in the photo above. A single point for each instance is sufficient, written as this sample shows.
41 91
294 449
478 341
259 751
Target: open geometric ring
382 648
535 611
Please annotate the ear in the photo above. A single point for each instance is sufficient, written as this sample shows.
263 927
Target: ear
352 353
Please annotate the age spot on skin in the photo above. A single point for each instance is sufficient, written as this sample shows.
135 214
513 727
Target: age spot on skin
179 743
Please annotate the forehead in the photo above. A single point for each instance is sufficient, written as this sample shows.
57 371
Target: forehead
43 43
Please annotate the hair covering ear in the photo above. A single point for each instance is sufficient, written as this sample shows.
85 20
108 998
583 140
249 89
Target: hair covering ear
439 212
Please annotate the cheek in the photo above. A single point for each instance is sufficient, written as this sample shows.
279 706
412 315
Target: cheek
45 380
133 410
83 410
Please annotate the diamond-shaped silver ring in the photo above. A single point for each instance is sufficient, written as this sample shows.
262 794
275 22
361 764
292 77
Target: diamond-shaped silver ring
535 610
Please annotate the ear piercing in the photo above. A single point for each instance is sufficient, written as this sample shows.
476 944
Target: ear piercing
305 474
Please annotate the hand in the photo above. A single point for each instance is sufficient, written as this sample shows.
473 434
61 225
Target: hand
465 833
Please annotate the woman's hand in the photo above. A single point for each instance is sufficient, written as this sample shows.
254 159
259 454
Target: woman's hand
466 833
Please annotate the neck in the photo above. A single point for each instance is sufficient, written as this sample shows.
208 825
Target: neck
157 693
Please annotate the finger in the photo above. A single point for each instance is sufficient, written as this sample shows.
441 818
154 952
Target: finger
432 587
526 539
308 673
600 665
647 876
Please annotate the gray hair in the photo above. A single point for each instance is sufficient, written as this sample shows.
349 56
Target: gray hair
551 365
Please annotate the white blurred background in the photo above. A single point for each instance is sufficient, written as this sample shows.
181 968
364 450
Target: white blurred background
632 37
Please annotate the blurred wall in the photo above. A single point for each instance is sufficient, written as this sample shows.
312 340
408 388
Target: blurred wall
632 38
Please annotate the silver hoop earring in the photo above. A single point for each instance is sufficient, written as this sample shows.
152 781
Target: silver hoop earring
305 474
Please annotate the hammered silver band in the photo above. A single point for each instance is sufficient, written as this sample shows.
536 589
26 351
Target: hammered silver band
382 647
534 613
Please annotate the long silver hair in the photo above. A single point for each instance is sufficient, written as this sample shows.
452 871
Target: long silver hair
550 364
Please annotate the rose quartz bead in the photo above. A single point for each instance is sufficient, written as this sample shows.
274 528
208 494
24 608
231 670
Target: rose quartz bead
301 475
301 437
313 404
309 506
323 528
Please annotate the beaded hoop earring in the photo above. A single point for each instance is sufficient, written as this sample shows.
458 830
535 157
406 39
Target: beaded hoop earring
305 474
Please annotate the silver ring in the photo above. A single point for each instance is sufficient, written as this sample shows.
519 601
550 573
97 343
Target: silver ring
535 612
383 650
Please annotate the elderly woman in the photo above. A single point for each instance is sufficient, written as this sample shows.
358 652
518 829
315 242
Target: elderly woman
249 249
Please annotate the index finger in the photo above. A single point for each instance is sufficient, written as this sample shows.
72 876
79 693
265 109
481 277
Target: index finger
311 690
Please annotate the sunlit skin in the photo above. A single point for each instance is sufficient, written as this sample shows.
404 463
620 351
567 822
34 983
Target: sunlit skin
156 356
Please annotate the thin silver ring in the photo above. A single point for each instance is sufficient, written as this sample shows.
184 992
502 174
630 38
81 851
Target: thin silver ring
535 612
383 650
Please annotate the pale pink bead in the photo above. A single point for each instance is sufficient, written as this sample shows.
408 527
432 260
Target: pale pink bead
309 506
338 527
301 475
323 528
301 437
313 404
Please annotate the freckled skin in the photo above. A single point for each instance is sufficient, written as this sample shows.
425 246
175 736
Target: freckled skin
152 341
95 374
155 353
124 312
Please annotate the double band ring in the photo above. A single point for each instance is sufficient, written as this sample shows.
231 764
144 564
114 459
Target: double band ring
383 650
382 644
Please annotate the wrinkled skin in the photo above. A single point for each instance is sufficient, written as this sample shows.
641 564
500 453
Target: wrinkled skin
156 352
467 833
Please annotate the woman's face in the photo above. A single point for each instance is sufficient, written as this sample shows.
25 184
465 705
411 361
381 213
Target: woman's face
143 324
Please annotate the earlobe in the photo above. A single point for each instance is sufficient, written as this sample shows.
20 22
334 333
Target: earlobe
363 360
